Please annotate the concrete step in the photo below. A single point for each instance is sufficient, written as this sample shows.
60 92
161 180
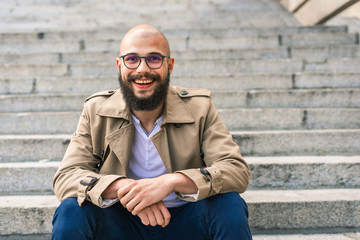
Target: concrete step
239 41
27 178
294 210
181 42
326 80
39 122
105 9
311 172
304 172
339 235
298 142
42 102
21 148
346 235
94 21
108 57
27 85
277 98
319 39
181 67
334 65
310 54
128 9
235 119
14 148
209 67
109 13
342 65
308 98
26 17
290 118
173 15
102 33
90 85
26 214
112 45
303 209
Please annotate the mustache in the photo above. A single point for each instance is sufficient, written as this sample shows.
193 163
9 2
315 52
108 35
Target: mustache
153 76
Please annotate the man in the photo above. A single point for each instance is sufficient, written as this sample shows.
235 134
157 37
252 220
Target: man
150 161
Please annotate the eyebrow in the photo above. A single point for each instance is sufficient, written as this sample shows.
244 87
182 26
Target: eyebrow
152 53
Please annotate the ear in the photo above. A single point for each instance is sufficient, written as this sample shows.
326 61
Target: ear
171 64
118 63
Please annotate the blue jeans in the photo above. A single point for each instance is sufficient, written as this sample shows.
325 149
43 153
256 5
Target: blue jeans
224 216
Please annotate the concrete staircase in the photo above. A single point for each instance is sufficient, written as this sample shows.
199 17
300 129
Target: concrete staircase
290 96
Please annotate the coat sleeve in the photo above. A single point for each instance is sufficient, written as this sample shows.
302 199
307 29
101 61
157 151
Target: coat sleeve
225 170
78 175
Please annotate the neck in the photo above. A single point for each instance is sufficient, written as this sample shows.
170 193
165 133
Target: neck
148 118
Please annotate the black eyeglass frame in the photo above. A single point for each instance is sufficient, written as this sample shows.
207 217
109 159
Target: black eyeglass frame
162 60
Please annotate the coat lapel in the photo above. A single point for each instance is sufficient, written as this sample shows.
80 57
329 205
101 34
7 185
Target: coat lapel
121 135
120 143
160 141
175 112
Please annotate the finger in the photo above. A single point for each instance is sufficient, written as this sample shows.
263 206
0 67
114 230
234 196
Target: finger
151 217
123 190
130 205
158 215
165 213
140 203
138 208
143 217
125 199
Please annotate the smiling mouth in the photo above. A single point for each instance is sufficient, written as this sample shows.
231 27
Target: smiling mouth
143 81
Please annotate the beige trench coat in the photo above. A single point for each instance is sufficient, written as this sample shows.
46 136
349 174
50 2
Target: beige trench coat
192 137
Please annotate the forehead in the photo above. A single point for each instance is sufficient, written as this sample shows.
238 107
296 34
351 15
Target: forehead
143 43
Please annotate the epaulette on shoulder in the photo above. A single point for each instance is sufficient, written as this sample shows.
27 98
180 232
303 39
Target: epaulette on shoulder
103 93
194 92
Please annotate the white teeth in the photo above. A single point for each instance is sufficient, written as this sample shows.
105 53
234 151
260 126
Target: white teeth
139 81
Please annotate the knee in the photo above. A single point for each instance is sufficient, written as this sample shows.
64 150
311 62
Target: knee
70 219
228 216
229 206
68 209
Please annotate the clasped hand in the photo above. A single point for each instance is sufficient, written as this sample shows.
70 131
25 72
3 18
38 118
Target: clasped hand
144 198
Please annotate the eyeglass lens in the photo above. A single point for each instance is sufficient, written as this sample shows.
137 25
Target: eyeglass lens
153 61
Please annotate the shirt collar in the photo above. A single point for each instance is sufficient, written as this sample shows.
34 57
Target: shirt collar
139 127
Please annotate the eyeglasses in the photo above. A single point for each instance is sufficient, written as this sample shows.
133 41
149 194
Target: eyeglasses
153 61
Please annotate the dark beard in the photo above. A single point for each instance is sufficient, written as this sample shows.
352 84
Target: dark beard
145 104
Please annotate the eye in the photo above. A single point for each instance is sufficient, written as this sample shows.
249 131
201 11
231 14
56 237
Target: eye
154 58
131 58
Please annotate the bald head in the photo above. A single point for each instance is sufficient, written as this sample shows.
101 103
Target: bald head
144 32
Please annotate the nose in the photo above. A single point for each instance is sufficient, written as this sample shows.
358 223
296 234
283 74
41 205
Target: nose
143 67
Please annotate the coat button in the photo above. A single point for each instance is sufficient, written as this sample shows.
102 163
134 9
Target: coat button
184 93
178 125
110 91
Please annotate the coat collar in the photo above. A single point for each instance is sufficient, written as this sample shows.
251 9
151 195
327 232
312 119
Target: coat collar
114 107
175 110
